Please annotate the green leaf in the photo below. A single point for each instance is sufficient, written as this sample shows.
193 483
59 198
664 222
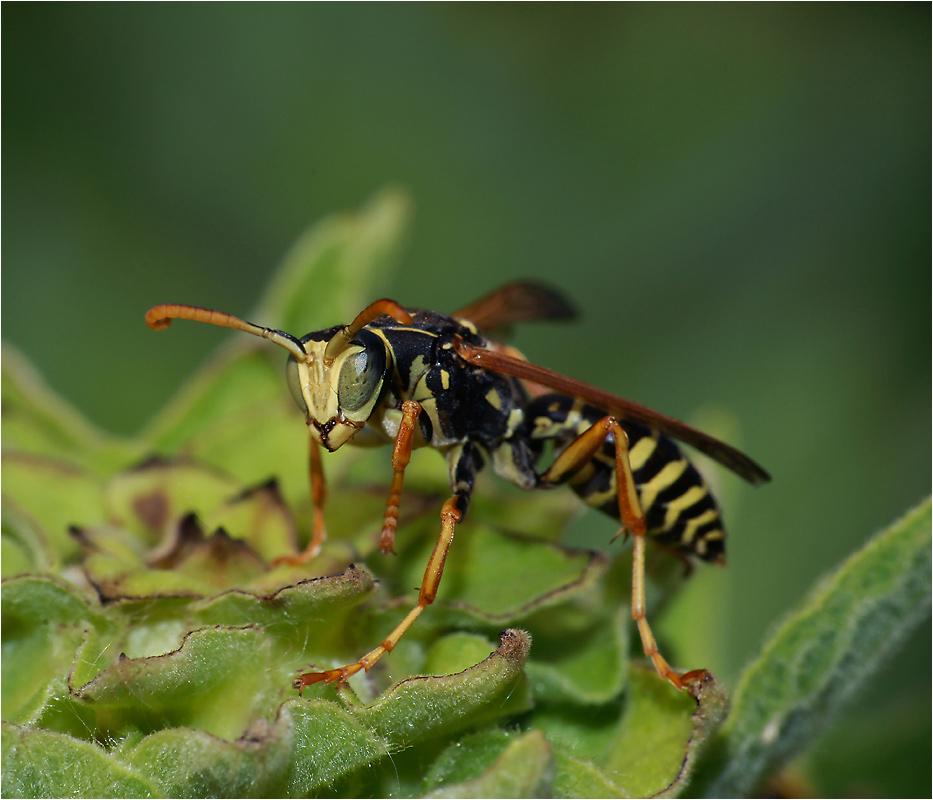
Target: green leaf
36 420
494 764
25 547
31 600
158 497
576 777
421 708
310 745
239 382
647 750
152 498
333 271
291 610
481 579
456 652
38 763
78 499
585 666
215 682
44 624
852 621
658 740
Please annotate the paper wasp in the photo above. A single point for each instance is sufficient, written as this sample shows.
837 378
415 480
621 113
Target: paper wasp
414 378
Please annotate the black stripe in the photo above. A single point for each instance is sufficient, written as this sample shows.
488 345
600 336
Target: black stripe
685 481
701 506
714 547
655 462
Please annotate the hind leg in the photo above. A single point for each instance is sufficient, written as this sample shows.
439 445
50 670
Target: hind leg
571 460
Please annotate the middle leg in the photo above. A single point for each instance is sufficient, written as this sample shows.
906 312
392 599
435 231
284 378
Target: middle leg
401 455
450 516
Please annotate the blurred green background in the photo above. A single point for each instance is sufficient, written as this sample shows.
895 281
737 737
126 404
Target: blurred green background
737 198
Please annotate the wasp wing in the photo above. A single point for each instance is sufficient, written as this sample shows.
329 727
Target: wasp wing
521 301
618 407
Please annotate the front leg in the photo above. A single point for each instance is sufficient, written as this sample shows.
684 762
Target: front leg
318 498
464 462
401 455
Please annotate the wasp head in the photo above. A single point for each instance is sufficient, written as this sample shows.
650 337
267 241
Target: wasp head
338 383
336 375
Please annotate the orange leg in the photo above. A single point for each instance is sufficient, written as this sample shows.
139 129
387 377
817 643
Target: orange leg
318 498
450 516
573 457
401 455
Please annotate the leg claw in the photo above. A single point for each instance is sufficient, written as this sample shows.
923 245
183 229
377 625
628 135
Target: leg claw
338 675
693 682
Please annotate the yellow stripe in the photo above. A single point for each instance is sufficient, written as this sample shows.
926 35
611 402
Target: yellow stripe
668 474
675 506
691 529
406 330
641 452
596 499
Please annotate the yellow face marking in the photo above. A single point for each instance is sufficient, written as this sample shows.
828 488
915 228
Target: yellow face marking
668 474
687 499
492 397
445 379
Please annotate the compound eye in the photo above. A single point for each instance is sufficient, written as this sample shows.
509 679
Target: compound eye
361 375
294 383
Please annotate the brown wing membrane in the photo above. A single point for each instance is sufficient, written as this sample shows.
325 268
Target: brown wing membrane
619 407
522 301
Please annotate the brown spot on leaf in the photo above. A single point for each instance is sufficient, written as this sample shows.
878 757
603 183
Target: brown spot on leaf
183 539
152 510
216 559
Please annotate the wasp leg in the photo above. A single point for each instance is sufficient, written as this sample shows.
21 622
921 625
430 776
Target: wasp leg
573 458
318 498
451 514
401 455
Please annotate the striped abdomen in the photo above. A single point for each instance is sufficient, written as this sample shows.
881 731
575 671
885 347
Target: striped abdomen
679 508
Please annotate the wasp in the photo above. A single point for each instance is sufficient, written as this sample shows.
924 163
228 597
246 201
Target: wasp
413 378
